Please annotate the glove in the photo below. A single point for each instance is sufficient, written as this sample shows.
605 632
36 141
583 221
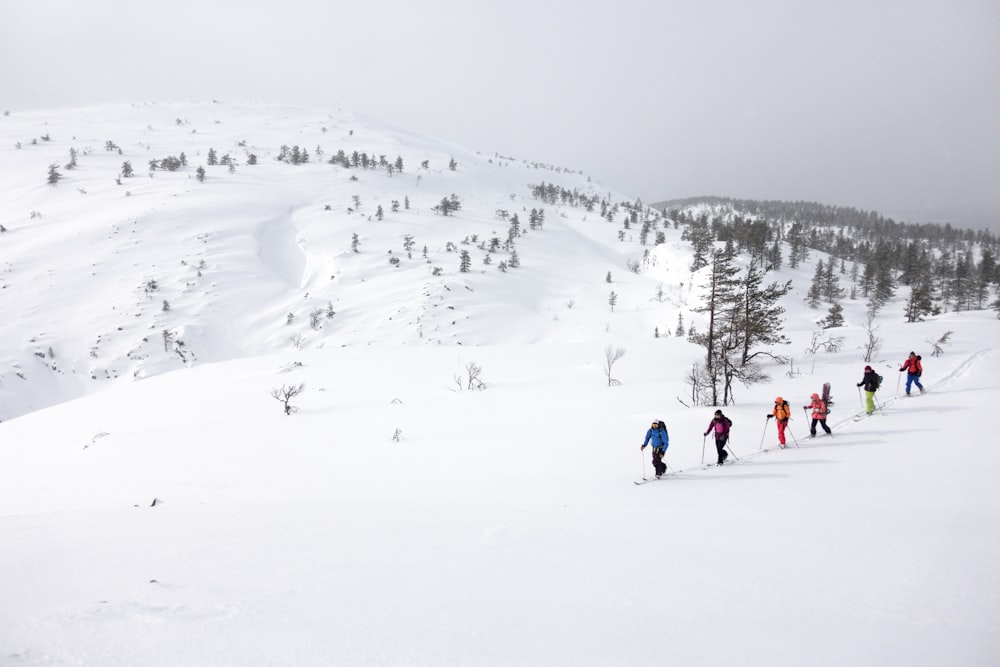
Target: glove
901 370
643 447
859 384
769 416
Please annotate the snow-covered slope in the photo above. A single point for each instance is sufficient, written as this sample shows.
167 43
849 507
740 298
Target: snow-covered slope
98 267
174 515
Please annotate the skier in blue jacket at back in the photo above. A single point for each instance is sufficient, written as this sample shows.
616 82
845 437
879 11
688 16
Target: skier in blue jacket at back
657 434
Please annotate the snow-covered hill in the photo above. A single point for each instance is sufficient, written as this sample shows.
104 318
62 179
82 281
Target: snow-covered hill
116 277
157 506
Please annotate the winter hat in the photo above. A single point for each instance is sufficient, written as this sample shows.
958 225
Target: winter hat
814 396
868 368
718 413
778 400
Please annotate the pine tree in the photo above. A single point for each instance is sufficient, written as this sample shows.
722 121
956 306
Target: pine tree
465 261
719 299
774 257
761 320
834 317
514 231
921 301
983 279
54 174
962 282
702 240
832 292
816 287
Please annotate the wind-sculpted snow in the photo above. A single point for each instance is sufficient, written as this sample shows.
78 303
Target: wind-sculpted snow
105 272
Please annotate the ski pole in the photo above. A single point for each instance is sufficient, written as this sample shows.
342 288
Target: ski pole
642 462
703 449
898 378
794 439
731 451
766 419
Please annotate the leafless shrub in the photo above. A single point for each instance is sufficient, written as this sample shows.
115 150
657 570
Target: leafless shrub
873 343
285 394
473 371
612 355
937 346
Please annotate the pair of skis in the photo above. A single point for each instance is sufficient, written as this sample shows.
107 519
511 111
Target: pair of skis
706 466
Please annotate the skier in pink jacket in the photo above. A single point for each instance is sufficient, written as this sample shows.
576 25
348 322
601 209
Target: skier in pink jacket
720 424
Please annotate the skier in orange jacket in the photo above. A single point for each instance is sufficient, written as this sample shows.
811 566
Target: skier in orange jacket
781 413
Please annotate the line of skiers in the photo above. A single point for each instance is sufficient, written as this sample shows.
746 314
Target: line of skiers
781 413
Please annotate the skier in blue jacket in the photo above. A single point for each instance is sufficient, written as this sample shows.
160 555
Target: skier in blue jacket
657 434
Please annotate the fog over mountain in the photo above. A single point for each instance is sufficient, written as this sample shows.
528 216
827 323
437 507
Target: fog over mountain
891 106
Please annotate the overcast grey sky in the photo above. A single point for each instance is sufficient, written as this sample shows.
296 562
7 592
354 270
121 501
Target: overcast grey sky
892 105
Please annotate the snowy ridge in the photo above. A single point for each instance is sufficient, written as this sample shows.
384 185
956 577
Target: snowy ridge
237 265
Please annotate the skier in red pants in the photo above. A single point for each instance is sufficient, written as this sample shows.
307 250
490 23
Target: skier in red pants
781 413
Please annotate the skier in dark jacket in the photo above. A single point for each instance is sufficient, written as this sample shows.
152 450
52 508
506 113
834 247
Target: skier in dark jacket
914 370
657 435
720 424
870 382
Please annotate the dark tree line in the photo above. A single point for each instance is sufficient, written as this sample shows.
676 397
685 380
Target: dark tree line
945 268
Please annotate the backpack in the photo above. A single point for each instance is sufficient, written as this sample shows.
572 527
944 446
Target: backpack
878 382
784 407
666 436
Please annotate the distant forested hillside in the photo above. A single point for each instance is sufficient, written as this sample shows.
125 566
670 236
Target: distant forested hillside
944 268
